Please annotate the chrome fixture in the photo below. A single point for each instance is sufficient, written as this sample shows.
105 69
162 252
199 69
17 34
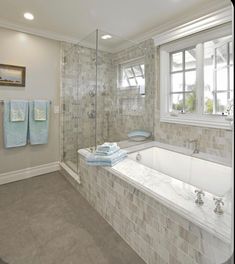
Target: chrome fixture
199 200
196 145
92 149
91 114
218 209
92 93
138 157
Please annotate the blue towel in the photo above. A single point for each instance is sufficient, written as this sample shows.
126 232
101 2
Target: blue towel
38 130
18 110
105 164
40 110
111 160
15 133
107 153
107 146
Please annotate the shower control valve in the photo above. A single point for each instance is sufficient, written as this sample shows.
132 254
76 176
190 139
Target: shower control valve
218 203
138 157
199 200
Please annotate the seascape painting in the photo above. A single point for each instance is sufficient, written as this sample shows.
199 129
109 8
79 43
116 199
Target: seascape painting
11 75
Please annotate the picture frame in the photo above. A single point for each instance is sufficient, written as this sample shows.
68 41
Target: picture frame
12 75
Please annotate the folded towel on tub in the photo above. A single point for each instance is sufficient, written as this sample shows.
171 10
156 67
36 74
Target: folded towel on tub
111 160
107 146
107 153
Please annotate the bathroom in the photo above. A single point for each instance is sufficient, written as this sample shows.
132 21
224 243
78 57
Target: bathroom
156 91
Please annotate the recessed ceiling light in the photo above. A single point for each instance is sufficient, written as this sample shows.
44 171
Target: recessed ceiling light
106 37
28 16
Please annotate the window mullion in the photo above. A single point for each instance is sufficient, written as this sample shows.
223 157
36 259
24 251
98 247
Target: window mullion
215 83
200 78
228 73
184 80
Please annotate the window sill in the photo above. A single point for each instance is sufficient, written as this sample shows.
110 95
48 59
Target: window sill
210 122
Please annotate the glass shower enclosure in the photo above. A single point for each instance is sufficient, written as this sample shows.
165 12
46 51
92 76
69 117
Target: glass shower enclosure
107 90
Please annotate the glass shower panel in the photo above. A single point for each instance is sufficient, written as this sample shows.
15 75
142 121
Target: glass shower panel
87 92
107 91
69 100
125 87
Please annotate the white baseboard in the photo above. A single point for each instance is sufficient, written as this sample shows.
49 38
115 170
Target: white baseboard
28 172
73 174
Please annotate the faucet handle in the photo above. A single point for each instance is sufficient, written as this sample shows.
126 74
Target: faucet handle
218 203
199 200
199 192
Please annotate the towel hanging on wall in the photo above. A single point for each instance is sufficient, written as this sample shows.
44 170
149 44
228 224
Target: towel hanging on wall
15 125
39 121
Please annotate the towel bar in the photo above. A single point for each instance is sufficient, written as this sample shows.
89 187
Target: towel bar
2 101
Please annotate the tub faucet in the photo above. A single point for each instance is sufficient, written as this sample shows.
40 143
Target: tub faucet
218 203
196 145
199 200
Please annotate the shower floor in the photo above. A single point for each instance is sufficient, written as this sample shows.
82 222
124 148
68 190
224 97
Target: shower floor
44 220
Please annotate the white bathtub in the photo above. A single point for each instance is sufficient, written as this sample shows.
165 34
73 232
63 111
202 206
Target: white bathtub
206 175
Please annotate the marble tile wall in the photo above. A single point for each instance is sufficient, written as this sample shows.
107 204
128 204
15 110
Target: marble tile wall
154 231
123 122
217 142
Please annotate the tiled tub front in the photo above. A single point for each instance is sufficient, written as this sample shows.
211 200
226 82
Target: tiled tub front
157 233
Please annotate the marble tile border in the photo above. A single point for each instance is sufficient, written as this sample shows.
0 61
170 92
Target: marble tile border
154 231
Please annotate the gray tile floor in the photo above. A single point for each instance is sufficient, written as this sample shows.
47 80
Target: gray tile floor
44 220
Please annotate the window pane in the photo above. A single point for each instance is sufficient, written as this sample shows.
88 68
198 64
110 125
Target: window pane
190 59
129 72
190 102
177 61
208 77
231 77
222 79
221 56
124 82
137 70
177 82
142 67
208 104
222 102
140 80
177 102
230 53
132 81
190 80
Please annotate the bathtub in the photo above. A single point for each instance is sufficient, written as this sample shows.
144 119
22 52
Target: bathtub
170 175
204 175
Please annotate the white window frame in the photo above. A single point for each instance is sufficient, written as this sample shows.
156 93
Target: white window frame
198 118
126 64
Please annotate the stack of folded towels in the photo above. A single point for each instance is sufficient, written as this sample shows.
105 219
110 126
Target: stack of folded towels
107 154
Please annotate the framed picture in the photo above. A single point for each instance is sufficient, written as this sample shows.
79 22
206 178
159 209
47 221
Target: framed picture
11 75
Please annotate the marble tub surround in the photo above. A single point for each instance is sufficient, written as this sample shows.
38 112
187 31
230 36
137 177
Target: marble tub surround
156 214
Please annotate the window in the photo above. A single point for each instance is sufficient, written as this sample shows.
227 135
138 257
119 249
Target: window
132 75
218 75
196 79
183 80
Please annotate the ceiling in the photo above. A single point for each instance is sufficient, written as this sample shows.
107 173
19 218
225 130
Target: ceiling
75 19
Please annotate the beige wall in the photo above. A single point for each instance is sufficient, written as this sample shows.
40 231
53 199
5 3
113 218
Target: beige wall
217 142
41 58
